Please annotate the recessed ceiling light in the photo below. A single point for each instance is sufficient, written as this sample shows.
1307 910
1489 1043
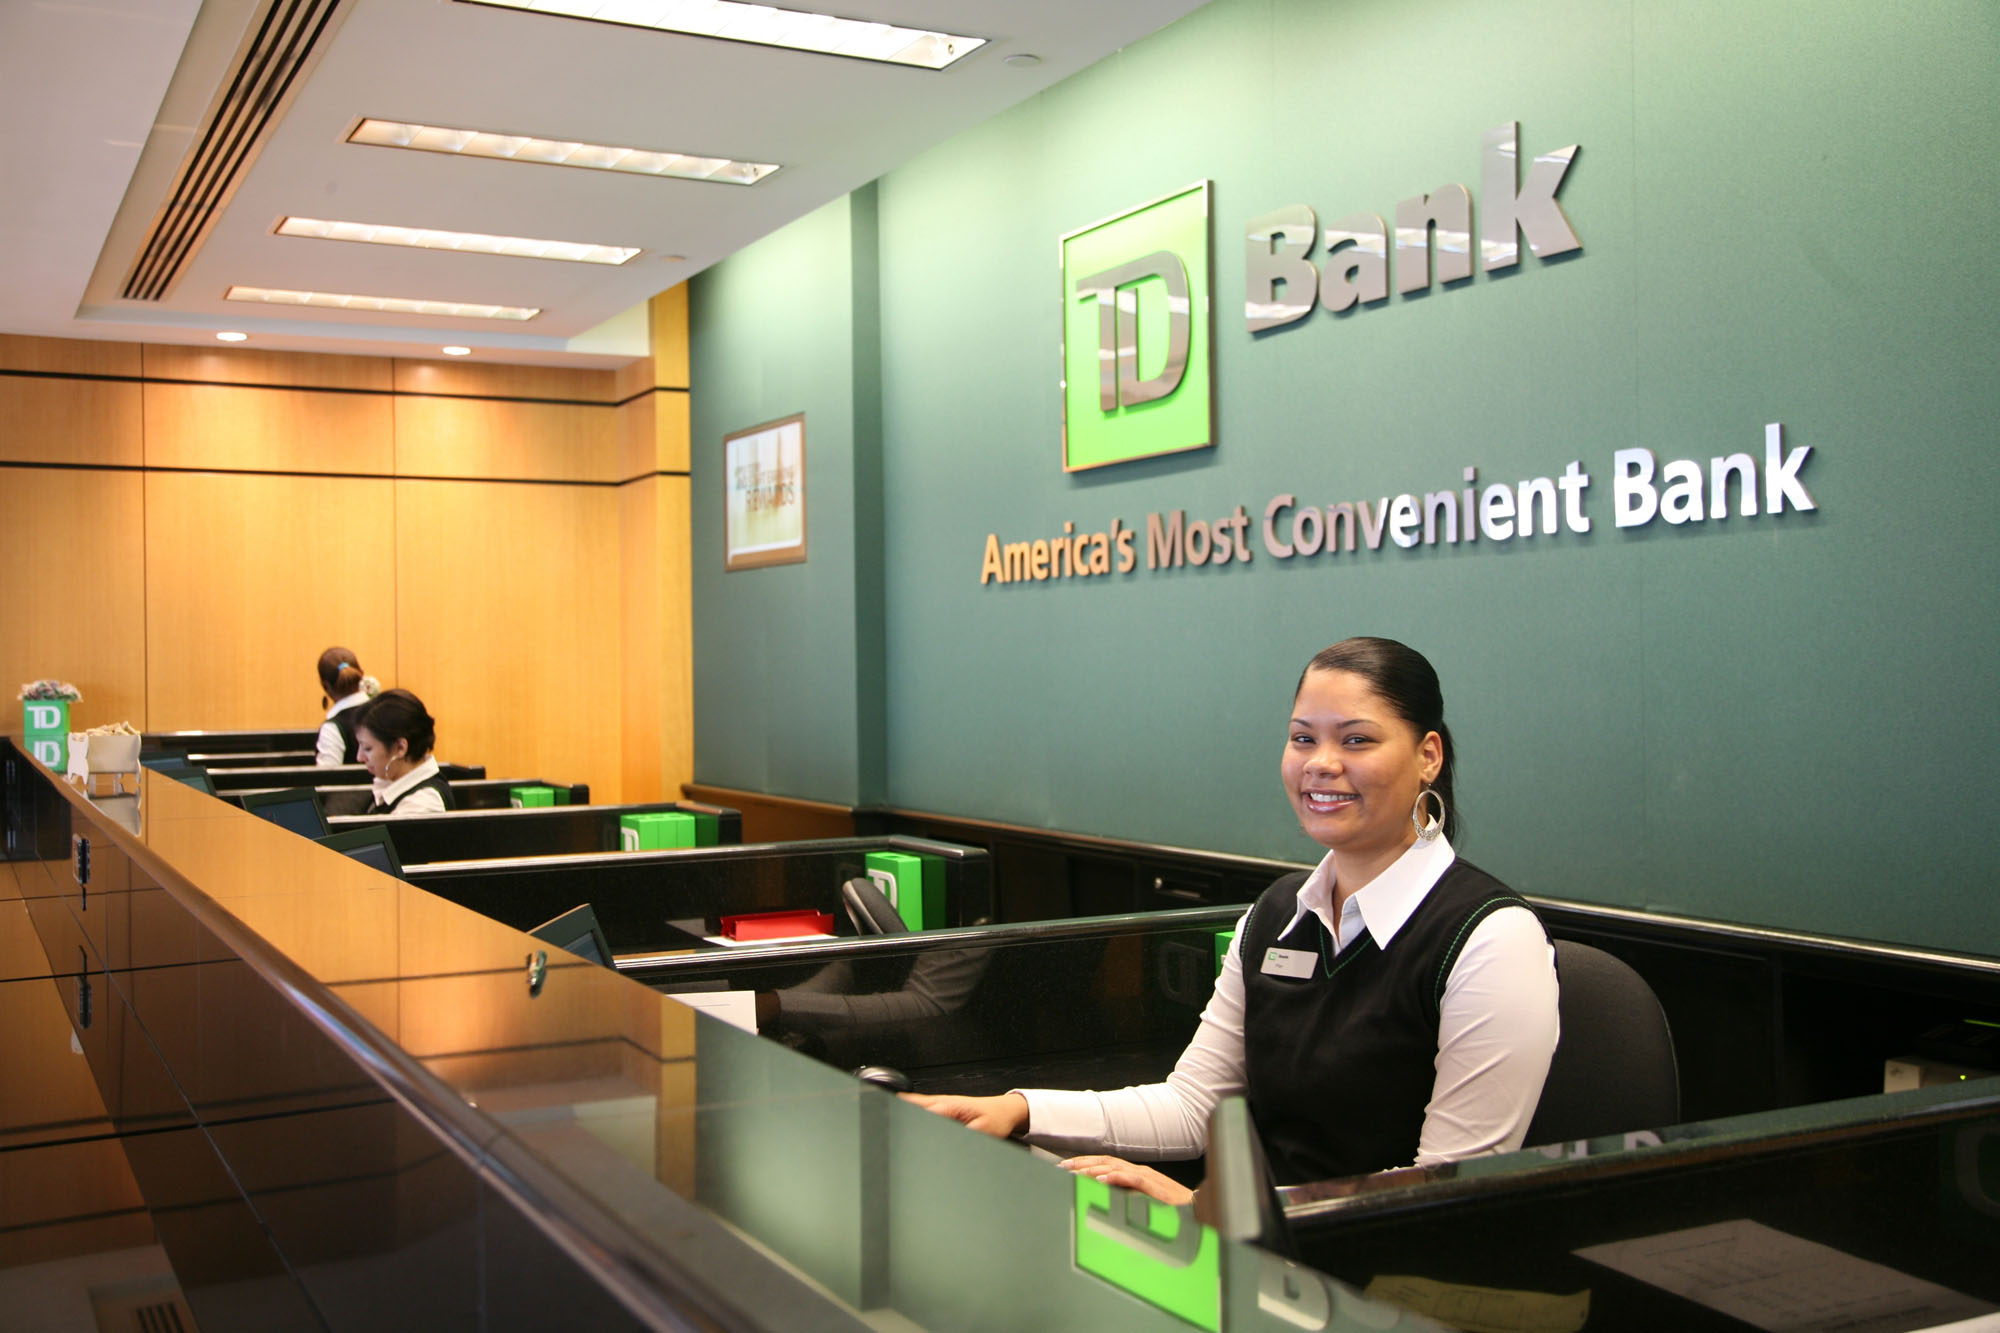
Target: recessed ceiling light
1024 60
558 152
232 337
466 242
735 21
457 351
394 305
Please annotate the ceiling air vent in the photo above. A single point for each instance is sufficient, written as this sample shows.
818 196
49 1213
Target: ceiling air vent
284 40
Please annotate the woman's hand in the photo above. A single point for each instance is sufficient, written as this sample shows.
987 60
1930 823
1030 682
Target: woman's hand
1003 1117
1130 1175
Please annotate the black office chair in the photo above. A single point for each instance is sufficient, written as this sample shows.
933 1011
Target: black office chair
1614 1068
869 908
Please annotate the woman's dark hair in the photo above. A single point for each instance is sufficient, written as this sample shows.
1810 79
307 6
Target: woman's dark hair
1408 682
398 715
339 673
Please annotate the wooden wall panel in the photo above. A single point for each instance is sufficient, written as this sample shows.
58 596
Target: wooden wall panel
669 312
477 380
248 578
470 437
72 546
275 430
70 421
287 370
657 649
653 435
68 356
507 625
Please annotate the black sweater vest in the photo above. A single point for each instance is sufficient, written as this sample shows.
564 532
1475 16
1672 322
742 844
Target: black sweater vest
436 782
343 722
1340 1064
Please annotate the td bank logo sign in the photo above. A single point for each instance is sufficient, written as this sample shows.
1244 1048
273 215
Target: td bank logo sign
1136 338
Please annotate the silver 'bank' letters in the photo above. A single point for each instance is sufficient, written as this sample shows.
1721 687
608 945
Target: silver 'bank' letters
1433 240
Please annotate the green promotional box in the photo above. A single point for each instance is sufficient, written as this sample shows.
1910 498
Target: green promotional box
914 885
656 832
707 830
522 798
1222 939
45 730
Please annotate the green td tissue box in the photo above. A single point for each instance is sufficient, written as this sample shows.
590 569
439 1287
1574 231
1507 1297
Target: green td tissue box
1222 939
914 885
45 728
522 798
656 832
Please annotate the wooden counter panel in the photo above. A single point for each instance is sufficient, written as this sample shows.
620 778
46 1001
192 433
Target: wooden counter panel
268 430
70 421
507 625
72 543
248 579
469 437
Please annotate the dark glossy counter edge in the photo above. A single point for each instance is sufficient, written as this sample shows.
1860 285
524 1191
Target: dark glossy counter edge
651 1283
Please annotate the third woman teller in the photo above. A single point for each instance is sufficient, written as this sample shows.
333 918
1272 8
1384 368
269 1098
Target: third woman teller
1394 1006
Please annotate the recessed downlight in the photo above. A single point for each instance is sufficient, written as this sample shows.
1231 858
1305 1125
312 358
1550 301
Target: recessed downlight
393 305
558 152
232 337
456 351
763 25
464 242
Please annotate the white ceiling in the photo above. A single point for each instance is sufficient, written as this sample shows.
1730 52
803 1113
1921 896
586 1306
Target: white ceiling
100 99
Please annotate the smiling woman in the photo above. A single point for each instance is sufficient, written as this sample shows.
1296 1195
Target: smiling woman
1400 1005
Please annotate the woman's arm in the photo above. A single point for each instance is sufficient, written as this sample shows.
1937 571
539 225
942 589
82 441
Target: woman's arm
1497 1030
331 747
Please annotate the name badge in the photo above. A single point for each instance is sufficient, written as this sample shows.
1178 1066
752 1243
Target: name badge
1289 962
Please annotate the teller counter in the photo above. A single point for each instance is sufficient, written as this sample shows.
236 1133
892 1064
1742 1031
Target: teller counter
350 1104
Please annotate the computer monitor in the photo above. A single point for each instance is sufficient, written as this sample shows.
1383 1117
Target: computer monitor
295 808
190 776
577 931
372 847
170 764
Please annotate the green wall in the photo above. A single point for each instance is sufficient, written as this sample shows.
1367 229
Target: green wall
1788 214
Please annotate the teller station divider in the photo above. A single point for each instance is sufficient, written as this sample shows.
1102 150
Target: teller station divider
184 743
310 775
479 834
656 902
469 793
1879 1212
248 759
1762 1018
1098 1002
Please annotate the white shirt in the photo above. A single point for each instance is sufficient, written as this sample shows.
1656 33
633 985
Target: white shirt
1497 1031
332 746
426 802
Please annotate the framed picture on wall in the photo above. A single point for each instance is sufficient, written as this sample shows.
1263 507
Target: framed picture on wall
764 471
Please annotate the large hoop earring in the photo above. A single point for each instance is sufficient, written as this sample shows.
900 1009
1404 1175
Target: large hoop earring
1427 830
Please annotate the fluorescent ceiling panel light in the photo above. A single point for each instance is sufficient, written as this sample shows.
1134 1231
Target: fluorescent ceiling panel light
737 22
467 242
558 152
394 305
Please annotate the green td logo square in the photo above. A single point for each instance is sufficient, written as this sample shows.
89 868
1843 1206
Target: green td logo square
1136 334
